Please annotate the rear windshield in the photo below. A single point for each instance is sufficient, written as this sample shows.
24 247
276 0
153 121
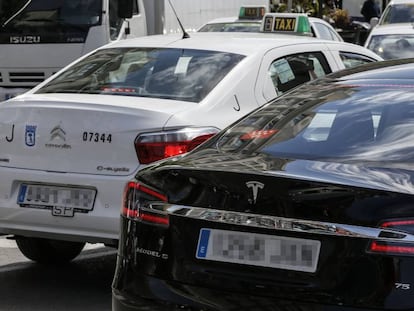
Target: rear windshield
178 74
231 27
362 124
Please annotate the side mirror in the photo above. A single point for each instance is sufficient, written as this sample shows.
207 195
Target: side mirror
125 8
373 21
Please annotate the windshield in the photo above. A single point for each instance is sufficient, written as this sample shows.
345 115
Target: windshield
398 13
393 46
231 27
179 74
363 124
48 21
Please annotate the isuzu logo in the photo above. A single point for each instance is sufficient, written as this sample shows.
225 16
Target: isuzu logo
255 186
24 39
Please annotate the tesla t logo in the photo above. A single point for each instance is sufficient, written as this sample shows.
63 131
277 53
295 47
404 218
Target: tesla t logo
255 186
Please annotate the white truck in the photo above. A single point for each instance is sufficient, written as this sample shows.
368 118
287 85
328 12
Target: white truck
39 37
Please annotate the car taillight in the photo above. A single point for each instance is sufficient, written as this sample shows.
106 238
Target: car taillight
395 247
151 147
140 203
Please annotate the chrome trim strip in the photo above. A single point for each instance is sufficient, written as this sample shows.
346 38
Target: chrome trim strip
286 224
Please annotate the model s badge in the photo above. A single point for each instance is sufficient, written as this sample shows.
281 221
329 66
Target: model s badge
255 186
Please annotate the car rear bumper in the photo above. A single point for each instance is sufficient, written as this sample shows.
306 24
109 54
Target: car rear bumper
121 303
144 272
99 225
169 296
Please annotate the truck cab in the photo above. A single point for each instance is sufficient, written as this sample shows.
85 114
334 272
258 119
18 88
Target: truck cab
39 37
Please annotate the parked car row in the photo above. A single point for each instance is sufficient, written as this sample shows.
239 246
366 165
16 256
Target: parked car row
224 184
390 37
253 18
72 142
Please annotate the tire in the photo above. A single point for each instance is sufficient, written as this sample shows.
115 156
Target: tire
48 251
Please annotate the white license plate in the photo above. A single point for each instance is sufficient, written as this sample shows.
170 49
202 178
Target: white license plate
258 250
63 201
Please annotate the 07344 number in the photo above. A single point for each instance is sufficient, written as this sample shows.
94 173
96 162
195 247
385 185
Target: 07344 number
97 137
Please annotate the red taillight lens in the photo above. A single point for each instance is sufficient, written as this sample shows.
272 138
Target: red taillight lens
152 147
399 224
138 203
402 227
391 248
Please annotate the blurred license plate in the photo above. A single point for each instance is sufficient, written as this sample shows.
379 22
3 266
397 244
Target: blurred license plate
258 250
63 201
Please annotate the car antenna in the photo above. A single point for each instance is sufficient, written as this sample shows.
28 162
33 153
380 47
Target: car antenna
185 34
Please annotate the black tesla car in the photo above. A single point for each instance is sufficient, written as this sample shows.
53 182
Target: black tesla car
305 204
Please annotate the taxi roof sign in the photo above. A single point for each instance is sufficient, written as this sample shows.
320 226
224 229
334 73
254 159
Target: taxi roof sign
252 12
287 23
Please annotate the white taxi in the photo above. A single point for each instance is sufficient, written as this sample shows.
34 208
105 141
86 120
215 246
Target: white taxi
250 19
69 145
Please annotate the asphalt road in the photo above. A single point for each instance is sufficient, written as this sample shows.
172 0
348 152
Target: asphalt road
83 284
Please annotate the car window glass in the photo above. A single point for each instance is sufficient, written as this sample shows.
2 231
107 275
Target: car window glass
54 21
335 35
231 27
324 32
178 74
115 23
392 46
353 59
292 70
135 8
398 13
347 123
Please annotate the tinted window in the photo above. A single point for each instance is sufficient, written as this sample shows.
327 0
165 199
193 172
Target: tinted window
49 21
350 123
177 74
293 70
